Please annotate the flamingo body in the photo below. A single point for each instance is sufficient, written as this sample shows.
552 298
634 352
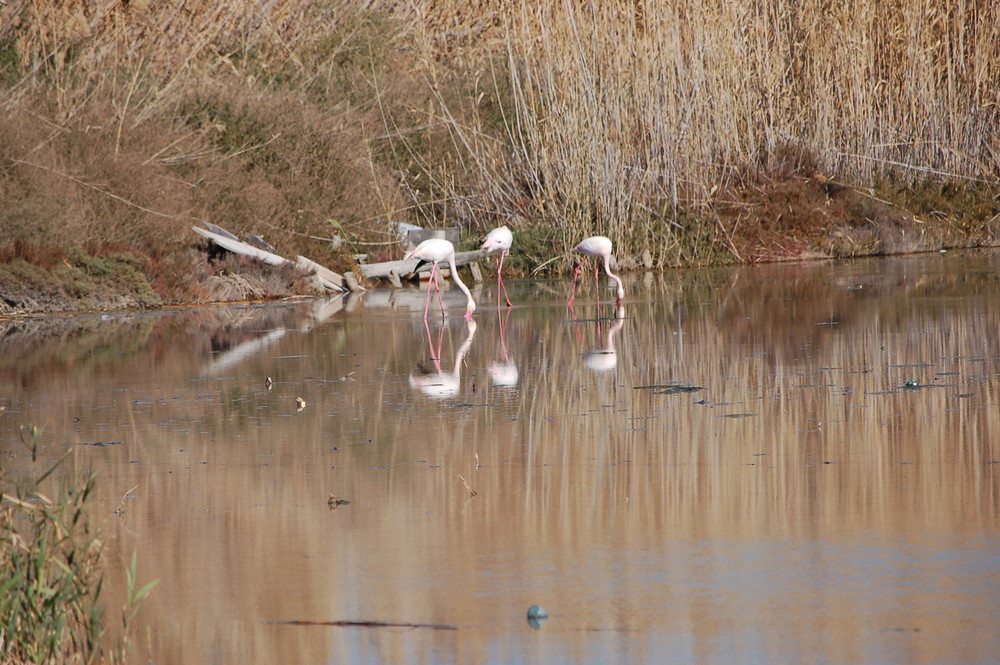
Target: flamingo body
599 247
499 240
436 251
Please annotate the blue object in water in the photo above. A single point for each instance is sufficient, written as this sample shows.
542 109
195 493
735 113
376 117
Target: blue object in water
536 616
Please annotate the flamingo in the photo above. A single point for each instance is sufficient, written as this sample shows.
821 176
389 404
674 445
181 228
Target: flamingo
435 251
597 246
499 240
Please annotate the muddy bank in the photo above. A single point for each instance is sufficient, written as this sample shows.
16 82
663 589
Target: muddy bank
72 286
780 215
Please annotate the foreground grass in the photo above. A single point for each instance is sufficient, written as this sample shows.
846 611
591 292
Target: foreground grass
690 134
52 575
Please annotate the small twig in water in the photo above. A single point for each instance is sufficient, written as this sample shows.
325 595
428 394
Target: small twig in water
120 510
472 492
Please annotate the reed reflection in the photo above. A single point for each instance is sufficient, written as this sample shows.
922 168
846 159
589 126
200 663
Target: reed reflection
801 495
438 383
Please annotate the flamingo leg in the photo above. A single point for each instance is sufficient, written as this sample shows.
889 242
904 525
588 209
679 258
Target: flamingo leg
436 278
427 301
499 280
597 280
500 284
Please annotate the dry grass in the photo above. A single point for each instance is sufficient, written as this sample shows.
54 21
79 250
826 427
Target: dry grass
631 112
644 121
53 572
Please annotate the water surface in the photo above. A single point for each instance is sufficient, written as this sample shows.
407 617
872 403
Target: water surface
791 463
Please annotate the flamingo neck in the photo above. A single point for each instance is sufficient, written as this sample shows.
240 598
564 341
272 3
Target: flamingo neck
607 270
470 306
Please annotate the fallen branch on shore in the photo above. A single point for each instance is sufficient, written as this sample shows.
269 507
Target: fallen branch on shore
391 270
407 266
327 278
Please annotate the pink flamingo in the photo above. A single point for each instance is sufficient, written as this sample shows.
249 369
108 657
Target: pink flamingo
435 251
597 246
499 240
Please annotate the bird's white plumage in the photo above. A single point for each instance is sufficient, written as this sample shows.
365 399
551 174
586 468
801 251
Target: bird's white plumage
437 251
499 240
433 250
600 247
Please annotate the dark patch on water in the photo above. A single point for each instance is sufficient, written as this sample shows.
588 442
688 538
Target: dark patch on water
669 388
96 444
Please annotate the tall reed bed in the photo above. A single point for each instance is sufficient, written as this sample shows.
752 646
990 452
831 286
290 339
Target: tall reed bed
637 119
630 113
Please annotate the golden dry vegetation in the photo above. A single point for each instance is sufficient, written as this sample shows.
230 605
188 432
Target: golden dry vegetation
690 133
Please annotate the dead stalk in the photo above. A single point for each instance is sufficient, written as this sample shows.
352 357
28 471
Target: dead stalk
120 510
472 492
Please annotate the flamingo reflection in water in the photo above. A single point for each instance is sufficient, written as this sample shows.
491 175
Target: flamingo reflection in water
503 372
437 383
605 358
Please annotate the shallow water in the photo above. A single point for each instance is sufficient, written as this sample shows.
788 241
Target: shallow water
792 463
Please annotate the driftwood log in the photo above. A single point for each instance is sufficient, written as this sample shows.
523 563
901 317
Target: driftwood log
222 238
407 266
391 270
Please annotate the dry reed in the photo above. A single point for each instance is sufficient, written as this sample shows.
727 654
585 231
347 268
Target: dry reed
630 112
633 119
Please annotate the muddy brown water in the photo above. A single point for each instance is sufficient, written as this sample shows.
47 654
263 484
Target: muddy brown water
790 463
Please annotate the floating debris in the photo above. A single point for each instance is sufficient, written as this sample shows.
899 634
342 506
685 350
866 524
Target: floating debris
268 383
472 492
677 390
912 383
537 616
670 388
299 404
333 502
